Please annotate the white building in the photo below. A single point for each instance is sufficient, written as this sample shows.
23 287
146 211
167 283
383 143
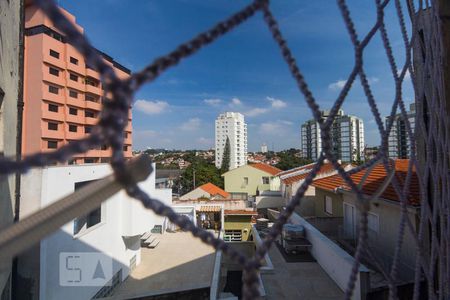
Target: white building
399 144
264 148
233 126
347 135
114 229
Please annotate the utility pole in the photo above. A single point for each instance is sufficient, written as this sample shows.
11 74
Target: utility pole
193 172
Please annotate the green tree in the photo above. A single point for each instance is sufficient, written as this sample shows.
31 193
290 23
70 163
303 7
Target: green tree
358 161
291 159
204 172
225 167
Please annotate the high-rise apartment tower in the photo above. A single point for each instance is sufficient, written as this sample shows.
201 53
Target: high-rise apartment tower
63 95
347 135
399 144
231 125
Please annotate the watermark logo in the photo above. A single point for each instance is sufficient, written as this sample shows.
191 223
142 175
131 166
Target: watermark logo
84 269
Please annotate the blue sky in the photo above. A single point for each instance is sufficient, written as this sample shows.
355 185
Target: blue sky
243 71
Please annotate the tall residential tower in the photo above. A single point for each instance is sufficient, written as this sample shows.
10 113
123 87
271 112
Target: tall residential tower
62 94
233 126
399 144
347 134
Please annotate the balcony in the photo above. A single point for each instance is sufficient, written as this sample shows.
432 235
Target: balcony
90 121
77 119
57 80
53 134
77 85
77 68
92 73
93 89
93 105
94 153
128 140
74 135
50 115
76 102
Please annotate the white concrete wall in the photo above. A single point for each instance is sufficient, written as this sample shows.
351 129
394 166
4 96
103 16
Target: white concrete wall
123 220
269 201
275 183
383 241
195 194
334 260
9 83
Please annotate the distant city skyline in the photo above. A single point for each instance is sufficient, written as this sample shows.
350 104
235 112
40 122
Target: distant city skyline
243 71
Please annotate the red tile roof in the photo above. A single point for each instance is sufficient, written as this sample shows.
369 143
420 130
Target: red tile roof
305 167
240 212
214 190
266 168
325 168
373 181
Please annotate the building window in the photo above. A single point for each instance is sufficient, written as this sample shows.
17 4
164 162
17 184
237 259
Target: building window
232 236
87 129
89 161
73 60
53 89
72 128
245 180
54 53
52 144
73 77
52 126
73 94
373 222
265 180
73 111
52 107
92 81
89 114
125 148
91 98
91 219
328 205
53 71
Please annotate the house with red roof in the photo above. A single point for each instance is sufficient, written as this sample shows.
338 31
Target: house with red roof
291 180
206 191
335 200
252 179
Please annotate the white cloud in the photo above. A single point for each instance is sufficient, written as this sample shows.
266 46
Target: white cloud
150 107
337 85
256 112
144 134
276 103
270 128
212 102
278 127
286 122
205 141
191 124
373 80
236 101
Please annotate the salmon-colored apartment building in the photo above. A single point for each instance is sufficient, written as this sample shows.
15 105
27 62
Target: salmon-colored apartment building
62 95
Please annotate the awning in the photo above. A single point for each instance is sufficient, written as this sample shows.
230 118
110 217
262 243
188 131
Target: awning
212 208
